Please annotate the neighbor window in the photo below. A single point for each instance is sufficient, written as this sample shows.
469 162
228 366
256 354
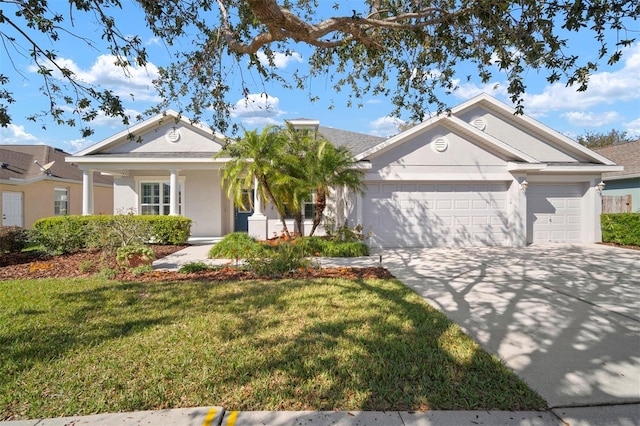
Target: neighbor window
310 205
155 198
61 201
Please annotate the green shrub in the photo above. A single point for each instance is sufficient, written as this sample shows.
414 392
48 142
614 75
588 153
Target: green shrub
67 234
109 232
319 246
134 256
194 267
344 249
61 234
238 245
13 239
169 229
344 232
283 258
621 228
106 273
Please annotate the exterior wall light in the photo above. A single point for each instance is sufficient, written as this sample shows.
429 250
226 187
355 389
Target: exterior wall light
600 186
524 185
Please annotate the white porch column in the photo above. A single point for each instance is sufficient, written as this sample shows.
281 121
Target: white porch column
258 222
87 192
174 209
257 200
339 206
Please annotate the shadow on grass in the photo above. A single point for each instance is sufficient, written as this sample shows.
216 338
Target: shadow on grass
257 345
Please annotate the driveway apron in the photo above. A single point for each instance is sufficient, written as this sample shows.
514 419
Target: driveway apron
565 318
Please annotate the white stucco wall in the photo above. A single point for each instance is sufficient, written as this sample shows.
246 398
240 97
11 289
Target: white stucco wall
518 137
157 141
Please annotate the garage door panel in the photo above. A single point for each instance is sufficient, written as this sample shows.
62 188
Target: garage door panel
462 204
554 213
436 214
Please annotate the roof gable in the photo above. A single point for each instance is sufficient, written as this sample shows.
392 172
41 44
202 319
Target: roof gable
494 126
525 133
164 133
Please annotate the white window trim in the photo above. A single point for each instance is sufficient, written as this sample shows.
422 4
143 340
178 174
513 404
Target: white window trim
139 180
67 191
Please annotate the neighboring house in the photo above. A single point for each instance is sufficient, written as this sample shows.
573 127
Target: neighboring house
36 182
627 181
479 176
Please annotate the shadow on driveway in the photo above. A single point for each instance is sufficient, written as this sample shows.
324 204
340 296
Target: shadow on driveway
565 317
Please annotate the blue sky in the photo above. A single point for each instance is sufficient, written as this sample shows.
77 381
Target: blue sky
611 102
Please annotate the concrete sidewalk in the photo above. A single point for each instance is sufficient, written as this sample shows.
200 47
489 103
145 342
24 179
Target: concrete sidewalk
217 416
623 415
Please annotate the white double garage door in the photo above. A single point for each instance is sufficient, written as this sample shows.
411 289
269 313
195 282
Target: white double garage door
425 214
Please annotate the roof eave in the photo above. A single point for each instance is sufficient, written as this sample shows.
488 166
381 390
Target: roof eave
505 110
147 124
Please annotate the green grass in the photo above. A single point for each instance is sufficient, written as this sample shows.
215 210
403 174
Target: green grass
84 346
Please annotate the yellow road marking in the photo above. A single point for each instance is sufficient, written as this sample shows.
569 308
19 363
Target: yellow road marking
210 416
232 418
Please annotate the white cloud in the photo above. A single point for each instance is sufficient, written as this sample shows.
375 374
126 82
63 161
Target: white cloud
605 88
102 120
77 145
257 109
386 126
136 81
280 60
374 101
153 41
469 90
16 135
591 119
633 128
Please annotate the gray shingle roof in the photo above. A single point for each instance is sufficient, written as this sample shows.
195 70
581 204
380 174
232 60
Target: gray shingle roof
624 154
18 162
356 143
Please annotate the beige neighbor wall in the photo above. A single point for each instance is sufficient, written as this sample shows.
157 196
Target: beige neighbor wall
38 199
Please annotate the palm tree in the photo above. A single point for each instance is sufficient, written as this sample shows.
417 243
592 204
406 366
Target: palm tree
256 157
331 167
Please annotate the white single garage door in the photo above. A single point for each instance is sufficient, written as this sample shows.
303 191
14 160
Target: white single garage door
554 213
436 214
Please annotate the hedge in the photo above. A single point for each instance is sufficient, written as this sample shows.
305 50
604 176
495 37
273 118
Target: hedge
13 239
621 228
68 234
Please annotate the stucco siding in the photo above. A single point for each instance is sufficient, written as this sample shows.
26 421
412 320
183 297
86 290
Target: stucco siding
205 204
157 141
517 137
124 195
418 159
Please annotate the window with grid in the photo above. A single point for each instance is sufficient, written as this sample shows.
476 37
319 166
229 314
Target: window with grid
61 201
155 198
309 206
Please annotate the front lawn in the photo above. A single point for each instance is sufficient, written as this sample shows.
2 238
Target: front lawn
82 346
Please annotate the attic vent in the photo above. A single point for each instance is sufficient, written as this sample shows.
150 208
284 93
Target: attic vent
479 123
172 135
440 144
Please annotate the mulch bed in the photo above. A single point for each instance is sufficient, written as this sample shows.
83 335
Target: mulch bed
86 263
621 246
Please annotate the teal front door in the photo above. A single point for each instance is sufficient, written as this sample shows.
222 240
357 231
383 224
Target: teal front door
242 213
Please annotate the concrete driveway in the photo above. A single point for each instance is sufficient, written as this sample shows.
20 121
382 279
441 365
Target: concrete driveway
566 318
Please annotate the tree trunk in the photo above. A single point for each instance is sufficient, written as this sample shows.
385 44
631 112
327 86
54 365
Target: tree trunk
297 224
321 204
270 197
